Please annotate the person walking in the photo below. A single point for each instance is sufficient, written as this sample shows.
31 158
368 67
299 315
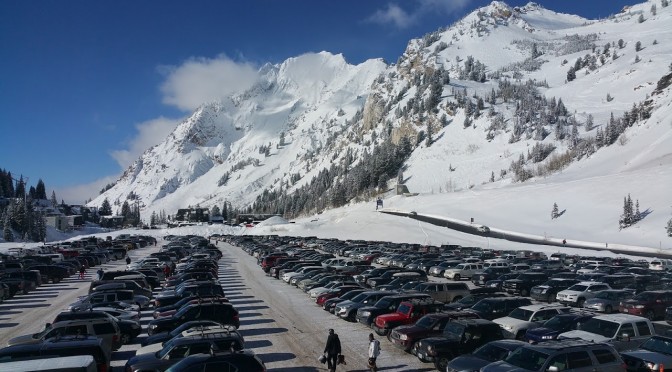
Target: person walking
333 350
128 260
374 351
82 271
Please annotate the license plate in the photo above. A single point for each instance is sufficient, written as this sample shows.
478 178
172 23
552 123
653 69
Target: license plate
422 356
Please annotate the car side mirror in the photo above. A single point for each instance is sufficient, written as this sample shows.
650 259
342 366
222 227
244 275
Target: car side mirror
624 337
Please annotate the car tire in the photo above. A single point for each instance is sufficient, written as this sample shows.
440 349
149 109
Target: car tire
456 277
125 338
650 315
441 363
580 302
608 309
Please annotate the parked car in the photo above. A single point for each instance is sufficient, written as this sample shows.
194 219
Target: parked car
484 355
528 317
471 299
566 355
459 337
462 271
386 305
548 290
348 309
608 300
244 360
623 331
523 283
444 292
162 337
577 294
408 312
654 354
430 325
492 308
558 324
220 312
489 273
61 346
650 304
179 348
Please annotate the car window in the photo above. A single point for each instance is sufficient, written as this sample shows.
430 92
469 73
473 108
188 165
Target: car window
604 356
214 367
559 362
626 329
75 330
200 348
178 352
544 315
103 328
643 328
579 359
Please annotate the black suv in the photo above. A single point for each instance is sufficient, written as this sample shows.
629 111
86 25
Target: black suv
481 277
179 348
547 291
569 355
493 308
220 312
523 283
460 336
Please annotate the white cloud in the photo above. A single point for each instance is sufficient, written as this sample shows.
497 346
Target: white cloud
78 194
150 133
393 14
400 18
200 80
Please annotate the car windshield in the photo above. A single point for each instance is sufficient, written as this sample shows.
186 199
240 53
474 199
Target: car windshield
409 285
166 348
360 297
601 327
483 306
557 323
645 297
491 352
529 359
606 295
578 288
351 294
468 300
404 309
425 322
521 314
383 303
453 331
658 345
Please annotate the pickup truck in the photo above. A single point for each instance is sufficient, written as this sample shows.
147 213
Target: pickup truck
431 325
408 312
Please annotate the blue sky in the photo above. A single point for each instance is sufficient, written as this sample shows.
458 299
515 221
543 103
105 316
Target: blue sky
86 86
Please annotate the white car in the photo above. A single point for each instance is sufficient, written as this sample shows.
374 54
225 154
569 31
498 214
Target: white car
528 317
462 271
577 294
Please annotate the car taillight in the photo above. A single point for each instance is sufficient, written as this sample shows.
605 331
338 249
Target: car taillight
102 367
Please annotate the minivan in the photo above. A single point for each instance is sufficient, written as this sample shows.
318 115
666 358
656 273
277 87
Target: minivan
60 347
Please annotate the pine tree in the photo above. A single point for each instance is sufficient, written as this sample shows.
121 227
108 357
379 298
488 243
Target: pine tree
664 3
590 123
555 213
627 218
105 208
571 74
653 9
40 190
669 228
637 216
641 18
492 176
126 211
7 233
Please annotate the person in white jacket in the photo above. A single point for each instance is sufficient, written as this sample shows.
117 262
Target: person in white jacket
374 351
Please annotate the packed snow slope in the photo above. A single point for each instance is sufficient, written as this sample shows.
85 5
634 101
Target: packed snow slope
316 110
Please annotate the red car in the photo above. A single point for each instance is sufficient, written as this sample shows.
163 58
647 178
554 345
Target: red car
408 312
649 304
338 292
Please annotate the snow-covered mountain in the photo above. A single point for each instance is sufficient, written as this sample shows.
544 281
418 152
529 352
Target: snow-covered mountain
509 105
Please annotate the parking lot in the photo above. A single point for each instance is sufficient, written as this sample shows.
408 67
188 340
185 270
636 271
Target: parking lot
280 323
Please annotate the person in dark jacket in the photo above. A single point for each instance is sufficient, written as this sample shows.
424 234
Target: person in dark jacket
332 349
